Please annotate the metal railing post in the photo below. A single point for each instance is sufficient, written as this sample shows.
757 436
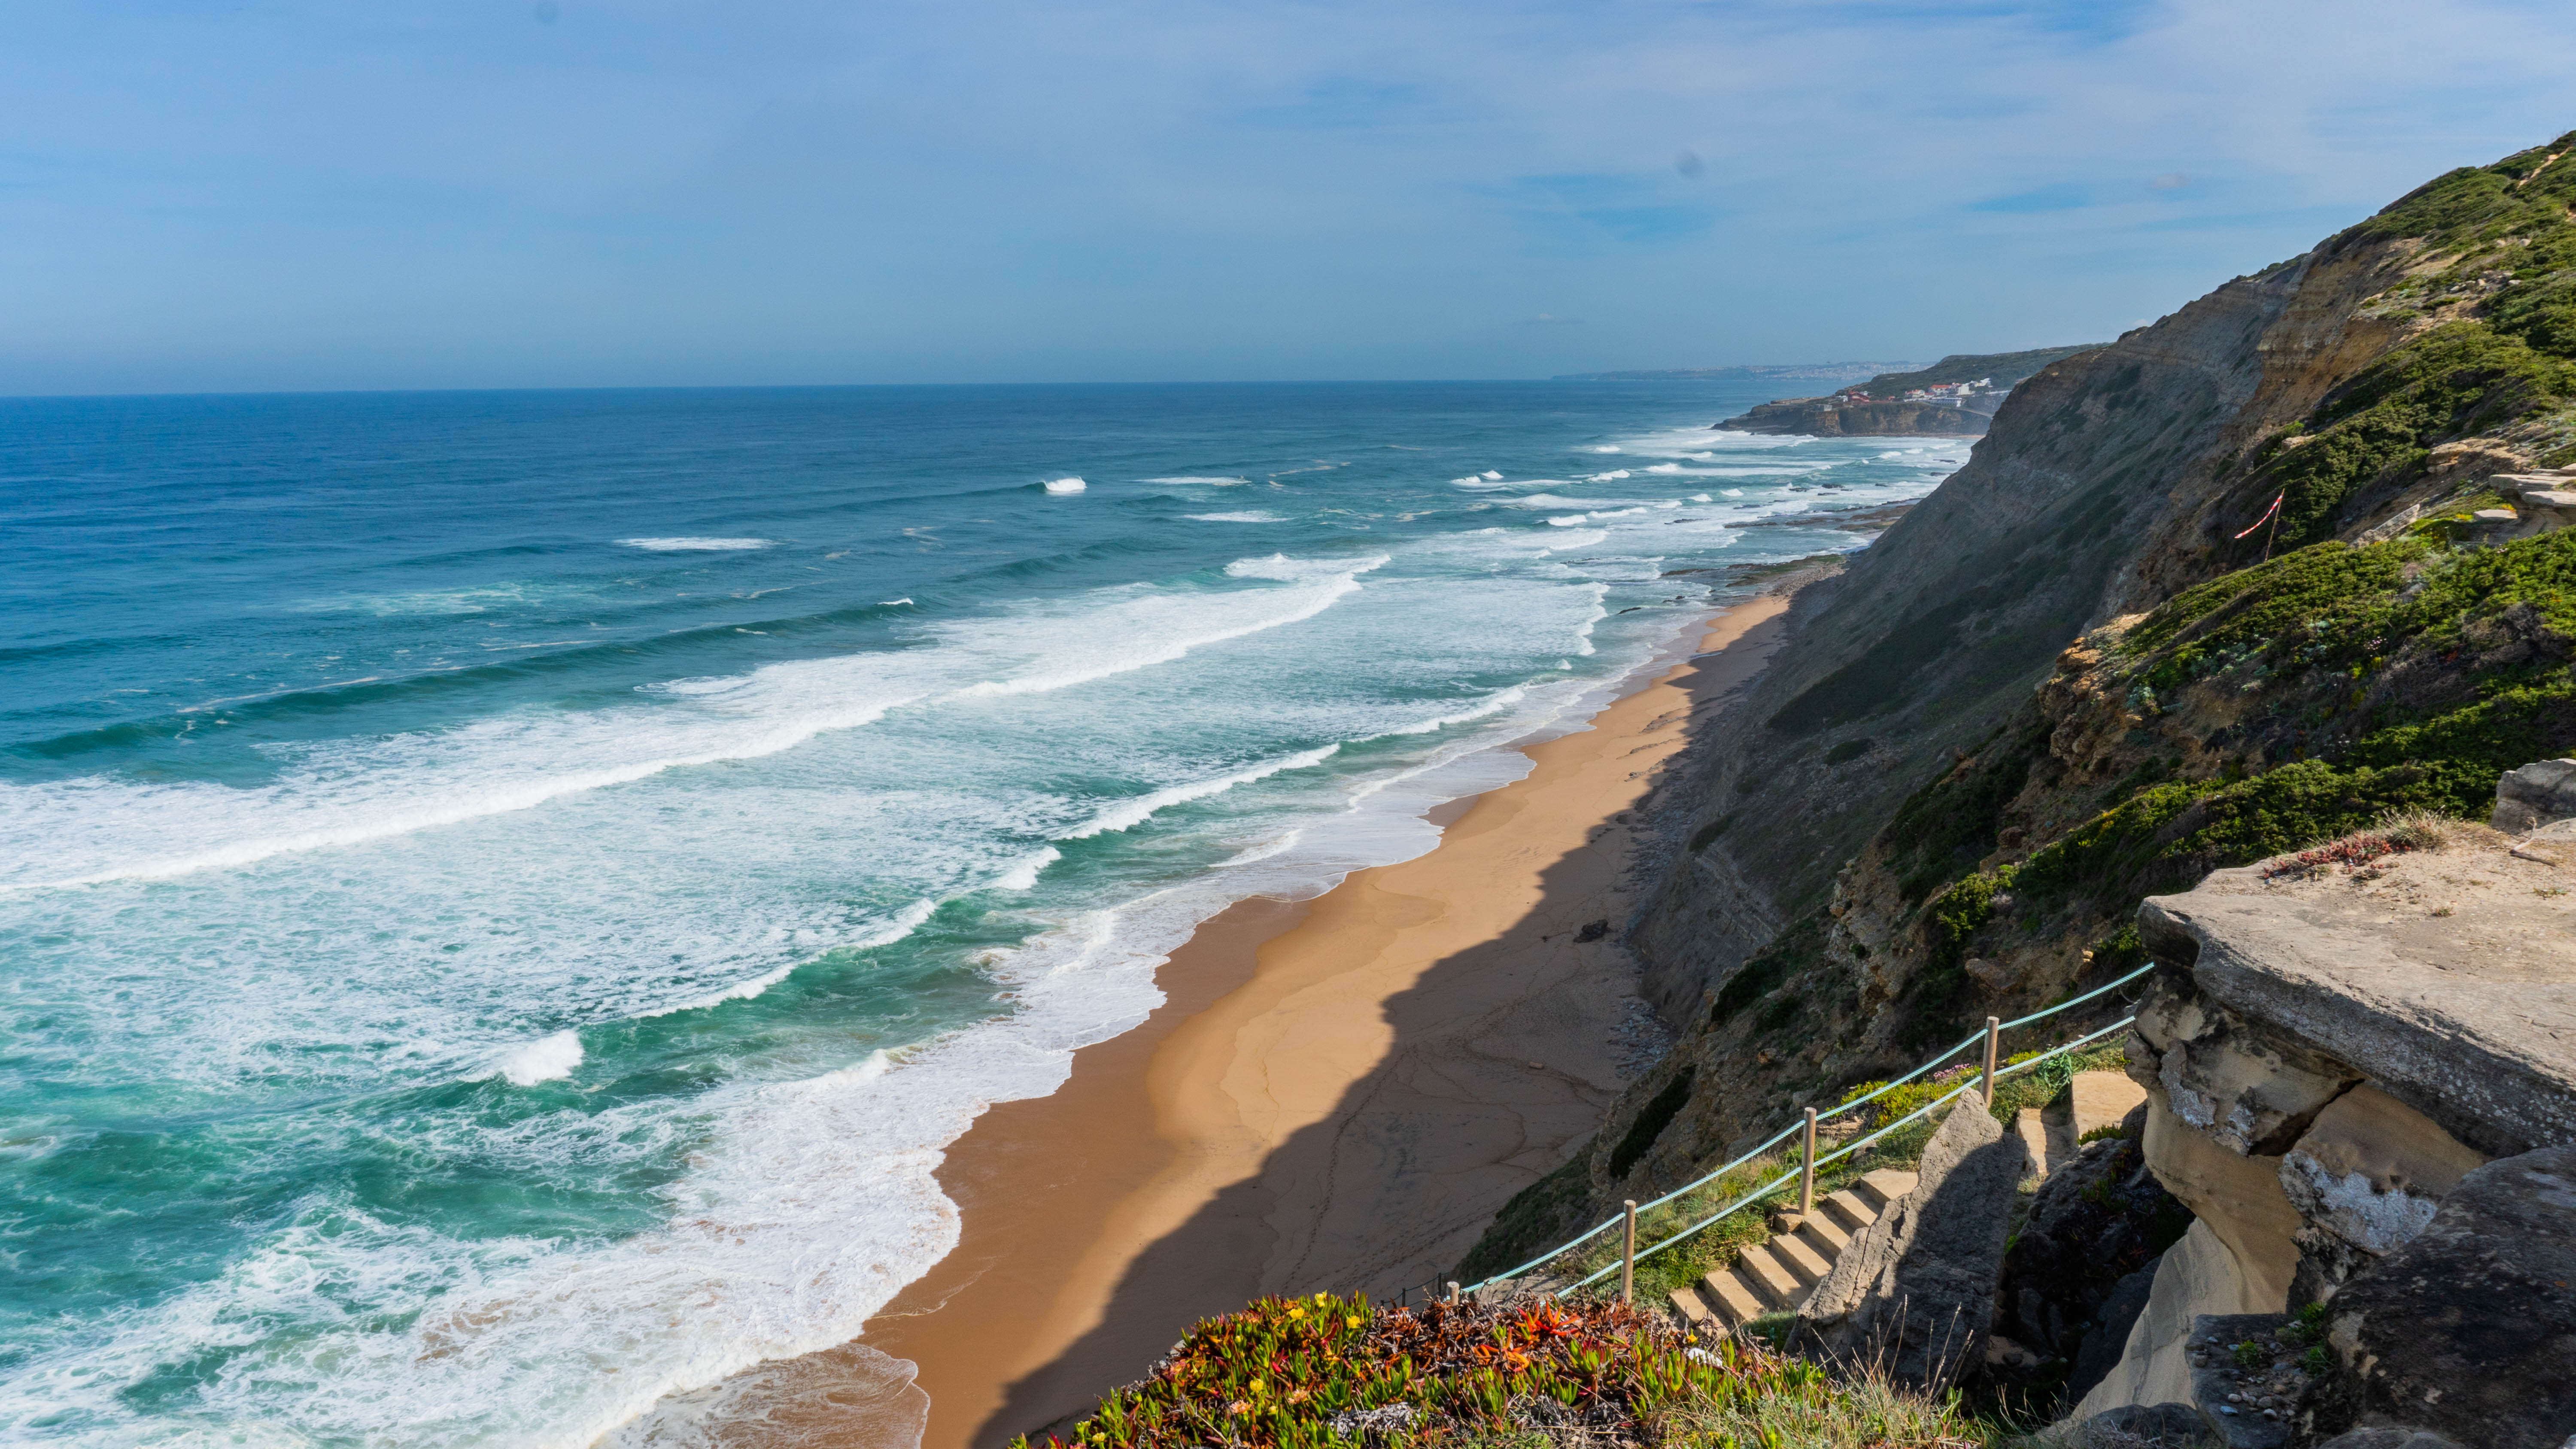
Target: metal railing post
1807 1174
1994 1028
1628 1258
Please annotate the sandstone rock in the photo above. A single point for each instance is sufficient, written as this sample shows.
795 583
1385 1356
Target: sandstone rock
2252 1089
2463 1017
2536 794
2468 1330
2196 1276
1914 1293
2372 1170
2240 1200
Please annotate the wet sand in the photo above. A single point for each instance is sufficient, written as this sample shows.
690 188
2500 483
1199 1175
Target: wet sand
1337 1093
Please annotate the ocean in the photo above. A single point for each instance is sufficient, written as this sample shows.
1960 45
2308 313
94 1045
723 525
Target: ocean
505 896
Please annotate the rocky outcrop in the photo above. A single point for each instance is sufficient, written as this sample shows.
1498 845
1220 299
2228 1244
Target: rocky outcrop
2449 973
1914 1293
2540 793
2337 1045
2468 1329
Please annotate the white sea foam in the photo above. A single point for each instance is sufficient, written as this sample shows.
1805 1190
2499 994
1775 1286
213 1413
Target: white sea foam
1128 814
1583 539
1607 448
1024 876
1249 515
1210 481
544 1060
698 545
1065 485
92 830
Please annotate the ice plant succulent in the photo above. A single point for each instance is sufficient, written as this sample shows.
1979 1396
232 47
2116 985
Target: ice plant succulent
1330 1371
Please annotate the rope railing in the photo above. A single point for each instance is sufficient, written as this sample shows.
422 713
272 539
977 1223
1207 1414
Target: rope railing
1764 1191
1854 1104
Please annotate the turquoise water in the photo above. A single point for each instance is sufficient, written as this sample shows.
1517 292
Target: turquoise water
504 897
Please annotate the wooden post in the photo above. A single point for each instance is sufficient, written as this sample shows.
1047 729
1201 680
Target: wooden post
1993 1028
1453 1294
1807 1174
1628 1258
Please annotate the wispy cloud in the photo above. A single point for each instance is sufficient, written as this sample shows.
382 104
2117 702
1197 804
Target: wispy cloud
423 194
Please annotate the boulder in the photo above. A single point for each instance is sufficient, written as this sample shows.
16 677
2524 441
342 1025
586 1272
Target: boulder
2238 1198
2536 794
2468 1329
1914 1294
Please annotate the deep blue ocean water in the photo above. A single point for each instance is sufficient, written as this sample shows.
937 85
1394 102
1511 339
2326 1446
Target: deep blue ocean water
504 897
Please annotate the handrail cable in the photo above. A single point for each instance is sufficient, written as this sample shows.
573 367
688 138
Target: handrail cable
1970 1040
1776 1183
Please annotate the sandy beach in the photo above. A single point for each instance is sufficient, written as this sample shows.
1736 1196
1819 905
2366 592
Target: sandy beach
1337 1093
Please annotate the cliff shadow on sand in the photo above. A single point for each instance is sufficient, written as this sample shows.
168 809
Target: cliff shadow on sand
1498 1059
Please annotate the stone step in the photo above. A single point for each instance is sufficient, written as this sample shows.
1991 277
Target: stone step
1686 1301
1769 1276
1818 1230
1733 1299
2102 1099
1849 1210
1884 1186
1803 1260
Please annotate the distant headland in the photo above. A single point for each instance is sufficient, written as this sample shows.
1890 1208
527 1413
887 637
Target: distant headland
1955 396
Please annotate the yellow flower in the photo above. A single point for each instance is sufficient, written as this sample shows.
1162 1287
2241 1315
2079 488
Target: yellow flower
1260 1387
1296 1312
1323 1298
1353 1320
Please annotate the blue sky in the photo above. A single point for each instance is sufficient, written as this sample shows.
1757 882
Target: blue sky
580 193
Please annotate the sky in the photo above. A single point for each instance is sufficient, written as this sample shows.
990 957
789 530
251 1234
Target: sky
567 193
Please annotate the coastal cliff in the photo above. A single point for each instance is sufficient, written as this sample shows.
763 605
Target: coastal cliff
2201 596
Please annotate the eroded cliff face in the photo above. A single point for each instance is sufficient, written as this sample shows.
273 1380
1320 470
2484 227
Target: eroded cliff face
2072 678
1940 630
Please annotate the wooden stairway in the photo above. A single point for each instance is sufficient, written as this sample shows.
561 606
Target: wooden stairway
1776 1276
